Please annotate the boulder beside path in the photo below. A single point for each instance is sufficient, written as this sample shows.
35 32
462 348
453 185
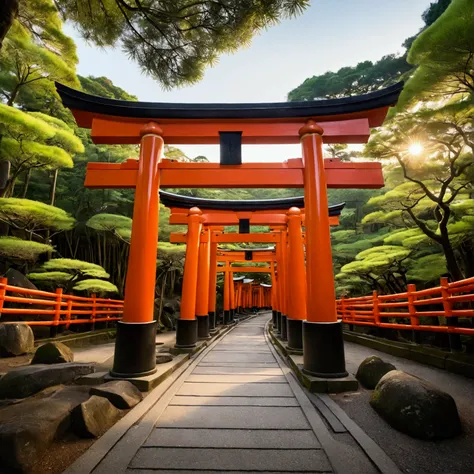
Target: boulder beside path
53 353
371 370
415 407
16 339
23 382
120 393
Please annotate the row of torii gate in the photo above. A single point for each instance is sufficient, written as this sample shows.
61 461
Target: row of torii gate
300 264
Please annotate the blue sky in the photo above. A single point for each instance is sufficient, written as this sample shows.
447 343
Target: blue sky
329 35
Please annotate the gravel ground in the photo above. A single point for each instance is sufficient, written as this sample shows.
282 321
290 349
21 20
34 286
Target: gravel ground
413 455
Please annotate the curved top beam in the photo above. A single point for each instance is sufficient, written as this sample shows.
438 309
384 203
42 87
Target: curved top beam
186 202
320 110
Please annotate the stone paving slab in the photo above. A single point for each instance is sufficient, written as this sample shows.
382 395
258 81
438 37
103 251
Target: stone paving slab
236 390
237 370
222 438
242 348
238 357
236 378
185 471
242 417
240 364
221 460
236 401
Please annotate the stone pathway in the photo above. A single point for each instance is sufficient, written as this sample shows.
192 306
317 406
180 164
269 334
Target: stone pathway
237 408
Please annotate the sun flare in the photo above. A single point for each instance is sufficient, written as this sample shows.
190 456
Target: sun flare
415 149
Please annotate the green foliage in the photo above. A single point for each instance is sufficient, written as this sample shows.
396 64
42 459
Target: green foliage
99 287
13 248
444 53
175 41
360 79
49 277
428 268
120 226
104 87
74 266
33 216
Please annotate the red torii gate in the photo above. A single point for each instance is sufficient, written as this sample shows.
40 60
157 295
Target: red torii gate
346 120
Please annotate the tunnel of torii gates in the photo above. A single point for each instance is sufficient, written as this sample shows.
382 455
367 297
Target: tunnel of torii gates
345 120
284 217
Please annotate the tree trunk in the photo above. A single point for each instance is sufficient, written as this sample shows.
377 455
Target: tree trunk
451 262
8 13
52 193
26 183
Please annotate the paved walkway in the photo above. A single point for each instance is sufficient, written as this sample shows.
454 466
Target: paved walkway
237 408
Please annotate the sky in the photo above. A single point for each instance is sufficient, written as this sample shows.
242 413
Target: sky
329 35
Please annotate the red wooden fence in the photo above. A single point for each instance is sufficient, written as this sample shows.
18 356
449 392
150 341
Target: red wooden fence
455 300
57 309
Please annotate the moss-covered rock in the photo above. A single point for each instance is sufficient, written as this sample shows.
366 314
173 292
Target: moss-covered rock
371 370
415 407
53 353
15 339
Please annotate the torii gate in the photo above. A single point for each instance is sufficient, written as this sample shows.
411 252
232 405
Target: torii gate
345 120
267 212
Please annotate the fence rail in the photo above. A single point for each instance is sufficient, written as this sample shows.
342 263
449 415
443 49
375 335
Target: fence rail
63 309
449 300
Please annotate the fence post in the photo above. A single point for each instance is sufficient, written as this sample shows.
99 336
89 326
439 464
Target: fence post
94 311
3 291
68 313
376 311
344 313
57 312
455 344
411 297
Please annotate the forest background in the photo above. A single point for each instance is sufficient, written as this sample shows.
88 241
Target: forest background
419 227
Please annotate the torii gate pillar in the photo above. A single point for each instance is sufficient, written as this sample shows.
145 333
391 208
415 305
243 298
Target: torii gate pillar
323 344
135 349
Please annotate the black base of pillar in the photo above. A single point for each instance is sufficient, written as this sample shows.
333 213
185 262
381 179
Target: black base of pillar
186 333
295 334
274 319
283 328
323 350
203 326
212 320
278 326
232 314
226 316
135 350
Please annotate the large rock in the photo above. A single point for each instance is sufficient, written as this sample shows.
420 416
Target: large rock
121 393
28 428
371 370
16 339
53 353
94 417
415 407
25 381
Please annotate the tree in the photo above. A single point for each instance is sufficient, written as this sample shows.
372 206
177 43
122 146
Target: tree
360 79
172 41
27 64
433 183
34 141
444 53
67 273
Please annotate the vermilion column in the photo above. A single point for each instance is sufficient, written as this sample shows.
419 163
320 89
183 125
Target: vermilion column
296 281
323 344
231 296
284 286
186 329
212 285
135 350
202 296
278 274
274 296
226 293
